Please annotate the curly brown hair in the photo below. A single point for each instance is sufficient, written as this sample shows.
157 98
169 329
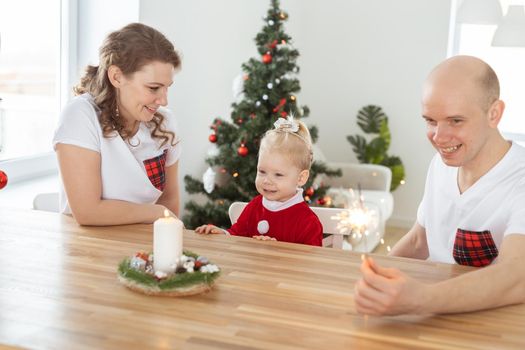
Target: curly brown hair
130 49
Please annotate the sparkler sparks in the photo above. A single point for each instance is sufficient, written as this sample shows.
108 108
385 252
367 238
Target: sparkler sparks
358 222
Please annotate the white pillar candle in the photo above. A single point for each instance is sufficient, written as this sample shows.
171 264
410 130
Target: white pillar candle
167 242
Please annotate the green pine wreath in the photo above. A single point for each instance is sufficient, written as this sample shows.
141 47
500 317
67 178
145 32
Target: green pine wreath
178 284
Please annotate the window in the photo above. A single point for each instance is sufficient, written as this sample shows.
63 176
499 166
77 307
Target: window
29 76
475 40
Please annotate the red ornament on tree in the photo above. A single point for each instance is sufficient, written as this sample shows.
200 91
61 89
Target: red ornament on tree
321 201
309 191
284 114
242 150
273 44
282 102
267 58
3 179
212 138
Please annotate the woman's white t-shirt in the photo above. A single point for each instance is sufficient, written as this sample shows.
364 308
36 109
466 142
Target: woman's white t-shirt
130 170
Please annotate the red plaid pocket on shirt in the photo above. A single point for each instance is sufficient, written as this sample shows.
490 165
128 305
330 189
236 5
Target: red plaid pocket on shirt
155 170
474 248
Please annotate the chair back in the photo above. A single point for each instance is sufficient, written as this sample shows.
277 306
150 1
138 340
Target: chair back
235 211
326 215
368 176
46 202
333 238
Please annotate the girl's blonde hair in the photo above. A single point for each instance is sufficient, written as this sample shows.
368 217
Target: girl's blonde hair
130 49
297 145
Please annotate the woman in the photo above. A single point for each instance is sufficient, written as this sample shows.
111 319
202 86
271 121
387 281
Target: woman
117 147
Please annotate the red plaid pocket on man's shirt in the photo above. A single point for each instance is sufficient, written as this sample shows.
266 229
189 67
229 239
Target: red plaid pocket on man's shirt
155 170
474 248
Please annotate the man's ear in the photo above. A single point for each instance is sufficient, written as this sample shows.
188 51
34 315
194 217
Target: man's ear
115 76
303 177
495 113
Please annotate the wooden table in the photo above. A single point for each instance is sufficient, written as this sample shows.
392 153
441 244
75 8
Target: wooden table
58 289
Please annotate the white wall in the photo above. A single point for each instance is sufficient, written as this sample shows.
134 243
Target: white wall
353 53
98 18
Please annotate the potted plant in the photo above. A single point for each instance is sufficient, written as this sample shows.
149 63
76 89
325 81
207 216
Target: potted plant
373 121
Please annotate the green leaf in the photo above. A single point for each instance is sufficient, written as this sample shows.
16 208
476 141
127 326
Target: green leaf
369 119
384 133
398 174
398 171
360 147
375 152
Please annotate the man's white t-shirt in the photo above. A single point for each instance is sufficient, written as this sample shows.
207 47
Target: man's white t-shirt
130 171
494 206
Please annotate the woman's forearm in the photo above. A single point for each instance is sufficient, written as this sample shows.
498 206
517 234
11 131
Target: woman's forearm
115 212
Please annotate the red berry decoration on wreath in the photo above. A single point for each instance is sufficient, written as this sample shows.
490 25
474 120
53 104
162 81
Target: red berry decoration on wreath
212 138
242 150
3 179
273 44
267 58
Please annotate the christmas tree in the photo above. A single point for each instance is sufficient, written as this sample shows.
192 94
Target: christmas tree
266 92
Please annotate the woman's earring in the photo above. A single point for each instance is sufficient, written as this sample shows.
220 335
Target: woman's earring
117 114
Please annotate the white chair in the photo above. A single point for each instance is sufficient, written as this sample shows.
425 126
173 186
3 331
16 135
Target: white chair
235 211
326 216
369 176
335 239
374 181
46 202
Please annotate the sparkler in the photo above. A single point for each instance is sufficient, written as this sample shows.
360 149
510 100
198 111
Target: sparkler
357 222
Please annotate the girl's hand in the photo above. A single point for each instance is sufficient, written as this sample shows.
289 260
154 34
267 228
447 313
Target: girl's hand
264 238
208 229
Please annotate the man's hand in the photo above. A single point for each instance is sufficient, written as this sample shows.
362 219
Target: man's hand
388 291
208 229
264 238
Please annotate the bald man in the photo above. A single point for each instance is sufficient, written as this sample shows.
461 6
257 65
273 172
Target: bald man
473 209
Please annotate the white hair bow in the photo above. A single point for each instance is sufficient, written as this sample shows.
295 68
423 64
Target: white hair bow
286 124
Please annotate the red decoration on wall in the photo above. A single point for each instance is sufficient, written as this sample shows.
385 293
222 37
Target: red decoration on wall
267 58
3 179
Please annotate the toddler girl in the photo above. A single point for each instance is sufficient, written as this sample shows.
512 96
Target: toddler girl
280 212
